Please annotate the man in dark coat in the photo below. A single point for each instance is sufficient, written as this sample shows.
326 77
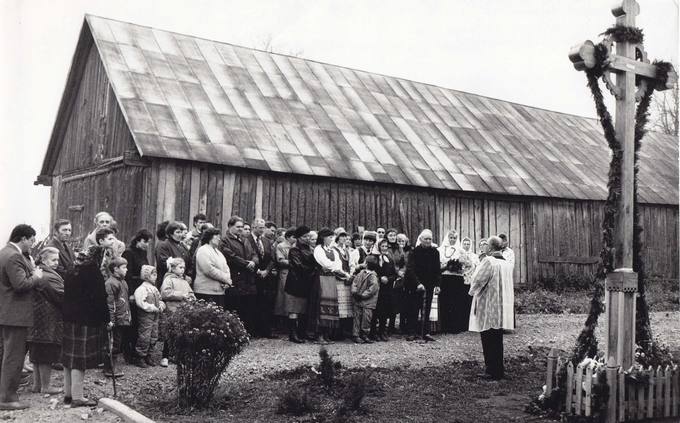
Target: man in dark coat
265 276
242 263
422 278
18 277
302 272
60 237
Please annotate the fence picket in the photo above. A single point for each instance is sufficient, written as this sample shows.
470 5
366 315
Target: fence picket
622 395
658 394
667 391
588 387
612 383
640 406
579 389
570 386
650 393
550 374
675 401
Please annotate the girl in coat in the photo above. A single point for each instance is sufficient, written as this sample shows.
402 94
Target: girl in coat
387 274
365 289
44 339
174 291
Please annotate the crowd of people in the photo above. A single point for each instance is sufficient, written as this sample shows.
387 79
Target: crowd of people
60 304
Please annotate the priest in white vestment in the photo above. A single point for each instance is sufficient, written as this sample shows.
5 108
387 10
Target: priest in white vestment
508 284
487 312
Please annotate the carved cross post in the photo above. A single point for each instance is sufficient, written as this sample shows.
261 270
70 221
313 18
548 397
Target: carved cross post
630 65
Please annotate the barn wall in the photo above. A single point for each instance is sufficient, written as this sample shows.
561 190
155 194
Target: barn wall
118 190
96 128
565 237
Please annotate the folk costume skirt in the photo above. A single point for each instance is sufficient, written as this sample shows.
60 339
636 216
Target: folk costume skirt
328 302
82 346
344 300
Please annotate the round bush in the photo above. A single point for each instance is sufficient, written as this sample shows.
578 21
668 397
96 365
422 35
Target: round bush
204 339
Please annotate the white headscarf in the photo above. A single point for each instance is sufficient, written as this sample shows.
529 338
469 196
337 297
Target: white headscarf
447 251
424 233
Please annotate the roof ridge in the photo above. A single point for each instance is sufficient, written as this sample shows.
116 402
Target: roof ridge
347 67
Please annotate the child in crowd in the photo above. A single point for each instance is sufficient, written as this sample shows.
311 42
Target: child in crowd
117 298
174 291
365 289
148 299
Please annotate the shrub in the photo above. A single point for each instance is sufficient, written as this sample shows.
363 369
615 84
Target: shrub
327 368
204 338
654 354
296 401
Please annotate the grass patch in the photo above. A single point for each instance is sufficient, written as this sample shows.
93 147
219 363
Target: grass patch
662 295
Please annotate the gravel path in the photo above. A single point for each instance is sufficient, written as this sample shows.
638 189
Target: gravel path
264 357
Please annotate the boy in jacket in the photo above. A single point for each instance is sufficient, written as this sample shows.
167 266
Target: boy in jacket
148 299
117 299
364 290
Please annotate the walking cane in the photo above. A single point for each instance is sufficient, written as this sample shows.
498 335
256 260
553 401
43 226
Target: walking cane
111 360
424 319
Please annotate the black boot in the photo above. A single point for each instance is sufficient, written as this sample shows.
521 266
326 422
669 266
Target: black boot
292 332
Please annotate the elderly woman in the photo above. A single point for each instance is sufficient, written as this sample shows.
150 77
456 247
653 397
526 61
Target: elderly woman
86 315
171 247
44 339
328 259
423 276
281 255
213 277
452 283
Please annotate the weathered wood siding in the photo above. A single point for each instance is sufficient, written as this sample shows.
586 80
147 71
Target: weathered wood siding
96 129
565 237
118 190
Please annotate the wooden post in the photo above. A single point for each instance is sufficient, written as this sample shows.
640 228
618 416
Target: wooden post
579 389
552 361
570 387
612 383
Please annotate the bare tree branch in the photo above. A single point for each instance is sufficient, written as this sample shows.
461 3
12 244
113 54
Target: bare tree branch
665 112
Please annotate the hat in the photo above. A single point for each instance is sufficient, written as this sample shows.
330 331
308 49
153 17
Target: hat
324 232
146 272
302 231
370 236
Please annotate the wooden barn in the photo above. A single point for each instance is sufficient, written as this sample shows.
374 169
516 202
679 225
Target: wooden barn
155 125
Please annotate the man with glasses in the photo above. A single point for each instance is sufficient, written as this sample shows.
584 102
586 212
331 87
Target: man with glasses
102 220
265 283
242 263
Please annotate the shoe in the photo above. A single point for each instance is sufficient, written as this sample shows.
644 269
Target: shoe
149 361
410 338
84 402
164 362
67 400
271 336
384 338
52 391
141 363
429 338
357 340
13 405
367 340
109 373
35 390
57 366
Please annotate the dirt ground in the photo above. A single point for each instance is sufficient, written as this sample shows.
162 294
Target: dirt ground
435 381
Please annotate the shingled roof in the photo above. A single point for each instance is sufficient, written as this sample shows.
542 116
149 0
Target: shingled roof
189 98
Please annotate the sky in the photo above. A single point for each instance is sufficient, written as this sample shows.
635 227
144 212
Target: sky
513 50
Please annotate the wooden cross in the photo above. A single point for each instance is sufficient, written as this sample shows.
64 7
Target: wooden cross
630 64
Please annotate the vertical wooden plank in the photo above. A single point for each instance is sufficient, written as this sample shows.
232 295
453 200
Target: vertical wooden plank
588 385
194 190
579 389
570 387
258 196
203 191
675 387
622 395
218 199
658 392
640 406
228 196
162 175
650 394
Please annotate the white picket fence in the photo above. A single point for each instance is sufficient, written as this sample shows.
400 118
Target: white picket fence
657 397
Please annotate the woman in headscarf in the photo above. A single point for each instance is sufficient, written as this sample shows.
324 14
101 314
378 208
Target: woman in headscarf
423 276
302 275
330 267
281 250
452 283
344 285
463 301
400 296
387 274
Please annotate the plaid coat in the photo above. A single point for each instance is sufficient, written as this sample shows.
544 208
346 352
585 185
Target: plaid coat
48 297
